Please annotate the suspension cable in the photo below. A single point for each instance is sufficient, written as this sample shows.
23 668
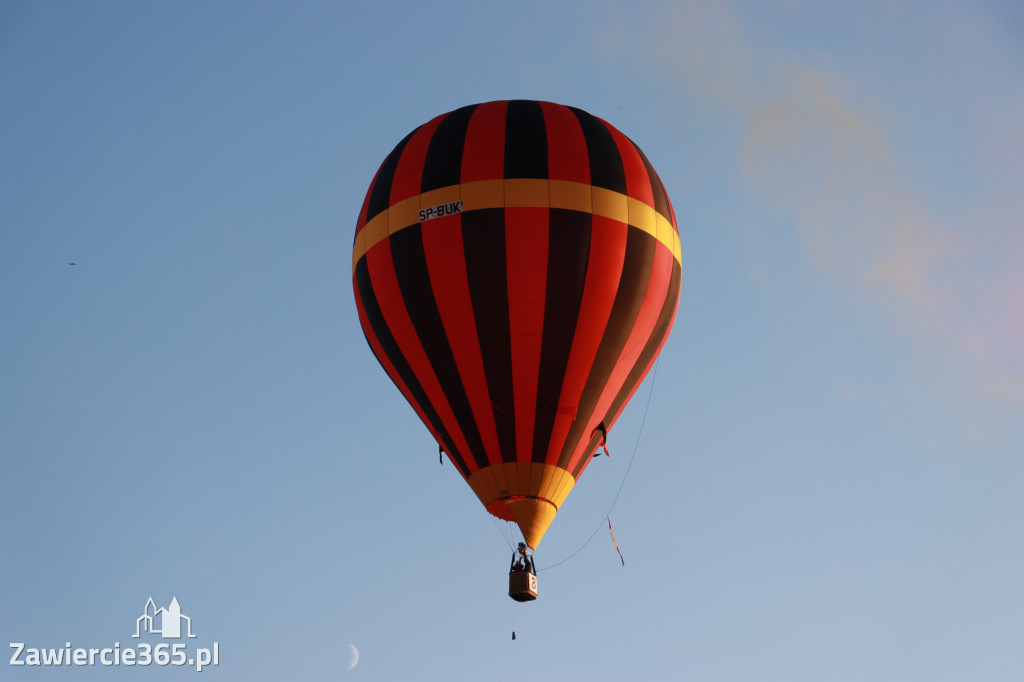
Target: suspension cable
508 541
636 445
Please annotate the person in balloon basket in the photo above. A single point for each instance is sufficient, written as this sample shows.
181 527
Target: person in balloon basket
523 562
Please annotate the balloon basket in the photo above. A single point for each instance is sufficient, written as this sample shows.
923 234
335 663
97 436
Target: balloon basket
522 586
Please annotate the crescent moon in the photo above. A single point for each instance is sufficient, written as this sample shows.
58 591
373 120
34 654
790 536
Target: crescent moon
355 656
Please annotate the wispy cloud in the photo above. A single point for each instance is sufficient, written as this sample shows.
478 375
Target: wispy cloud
940 248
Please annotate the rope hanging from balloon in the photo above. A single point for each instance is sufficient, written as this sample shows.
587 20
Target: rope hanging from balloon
510 540
607 516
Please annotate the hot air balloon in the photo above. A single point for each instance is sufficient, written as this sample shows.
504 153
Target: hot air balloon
516 270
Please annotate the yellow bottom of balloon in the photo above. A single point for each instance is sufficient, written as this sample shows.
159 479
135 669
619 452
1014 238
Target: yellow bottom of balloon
527 493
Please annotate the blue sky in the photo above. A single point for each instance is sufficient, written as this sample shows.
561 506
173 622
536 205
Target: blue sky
827 482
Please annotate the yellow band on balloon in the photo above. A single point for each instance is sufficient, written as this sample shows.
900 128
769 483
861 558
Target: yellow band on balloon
520 192
522 479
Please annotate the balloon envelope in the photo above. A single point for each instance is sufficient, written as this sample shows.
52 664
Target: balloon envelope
516 269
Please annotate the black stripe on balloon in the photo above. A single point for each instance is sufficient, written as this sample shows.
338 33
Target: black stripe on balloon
483 240
647 355
660 196
568 255
629 297
414 282
443 162
526 140
606 168
380 195
374 316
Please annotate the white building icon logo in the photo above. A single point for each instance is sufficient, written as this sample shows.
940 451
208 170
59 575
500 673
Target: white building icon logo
169 620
